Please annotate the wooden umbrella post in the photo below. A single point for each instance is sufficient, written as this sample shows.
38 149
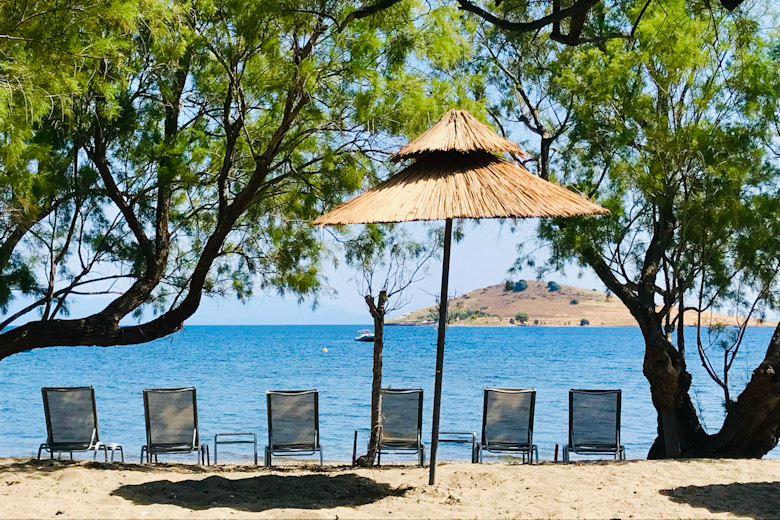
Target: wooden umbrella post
445 275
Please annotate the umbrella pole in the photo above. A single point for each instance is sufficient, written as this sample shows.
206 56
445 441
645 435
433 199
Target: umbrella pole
445 275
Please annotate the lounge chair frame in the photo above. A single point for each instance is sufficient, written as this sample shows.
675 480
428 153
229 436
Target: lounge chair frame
526 448
152 449
94 444
282 450
617 450
415 446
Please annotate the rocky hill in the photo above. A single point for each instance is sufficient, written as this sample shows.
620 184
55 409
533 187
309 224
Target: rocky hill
537 304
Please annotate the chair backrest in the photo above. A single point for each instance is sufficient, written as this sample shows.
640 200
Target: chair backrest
171 417
293 419
401 417
71 416
594 419
508 417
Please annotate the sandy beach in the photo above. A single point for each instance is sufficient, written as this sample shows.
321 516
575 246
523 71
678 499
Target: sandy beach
633 489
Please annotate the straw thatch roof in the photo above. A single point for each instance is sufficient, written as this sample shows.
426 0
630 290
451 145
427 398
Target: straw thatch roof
446 185
457 131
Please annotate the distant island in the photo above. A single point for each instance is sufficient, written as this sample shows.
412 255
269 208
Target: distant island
531 302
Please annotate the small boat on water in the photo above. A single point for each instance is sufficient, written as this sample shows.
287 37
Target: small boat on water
365 335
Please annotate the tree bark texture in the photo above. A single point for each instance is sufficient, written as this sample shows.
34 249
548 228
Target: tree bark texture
679 429
377 309
752 423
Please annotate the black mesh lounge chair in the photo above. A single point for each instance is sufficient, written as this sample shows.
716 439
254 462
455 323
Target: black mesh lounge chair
508 422
401 429
293 424
594 423
72 424
172 424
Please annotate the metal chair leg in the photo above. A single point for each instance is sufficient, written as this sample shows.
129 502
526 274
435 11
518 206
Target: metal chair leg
354 449
118 447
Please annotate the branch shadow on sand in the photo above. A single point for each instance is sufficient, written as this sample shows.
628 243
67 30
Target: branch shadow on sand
259 493
751 499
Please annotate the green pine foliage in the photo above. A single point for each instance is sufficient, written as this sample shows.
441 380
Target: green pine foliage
187 146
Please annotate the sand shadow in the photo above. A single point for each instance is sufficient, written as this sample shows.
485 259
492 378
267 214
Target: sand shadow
45 465
752 499
259 493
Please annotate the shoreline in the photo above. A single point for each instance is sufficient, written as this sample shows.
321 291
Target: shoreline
763 325
695 488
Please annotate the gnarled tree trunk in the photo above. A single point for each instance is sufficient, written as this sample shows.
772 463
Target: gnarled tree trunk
679 429
752 423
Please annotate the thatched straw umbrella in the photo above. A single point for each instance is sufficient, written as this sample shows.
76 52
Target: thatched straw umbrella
457 175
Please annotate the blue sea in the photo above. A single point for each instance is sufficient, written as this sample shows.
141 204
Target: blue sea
233 366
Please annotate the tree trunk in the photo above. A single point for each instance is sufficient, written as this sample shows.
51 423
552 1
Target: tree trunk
544 156
376 392
751 426
679 428
378 313
752 423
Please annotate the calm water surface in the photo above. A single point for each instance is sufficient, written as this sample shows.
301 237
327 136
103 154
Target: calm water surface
232 367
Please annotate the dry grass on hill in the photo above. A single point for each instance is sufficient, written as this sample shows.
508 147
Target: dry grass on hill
494 305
